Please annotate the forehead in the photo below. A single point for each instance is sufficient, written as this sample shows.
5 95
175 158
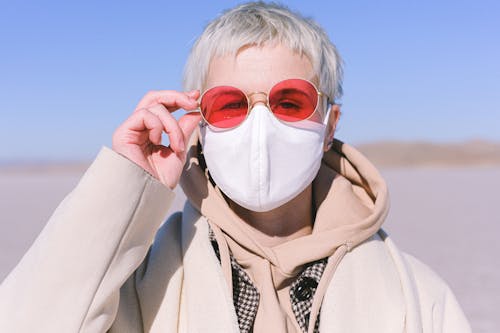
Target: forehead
258 68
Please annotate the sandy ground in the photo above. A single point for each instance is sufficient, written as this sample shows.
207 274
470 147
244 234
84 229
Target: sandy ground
445 217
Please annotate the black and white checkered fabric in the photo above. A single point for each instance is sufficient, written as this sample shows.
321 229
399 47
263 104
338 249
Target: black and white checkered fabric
302 293
246 295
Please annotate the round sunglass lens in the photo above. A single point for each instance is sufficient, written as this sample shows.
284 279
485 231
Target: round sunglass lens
224 106
293 100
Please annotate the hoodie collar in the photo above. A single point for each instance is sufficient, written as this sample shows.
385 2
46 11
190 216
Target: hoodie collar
350 196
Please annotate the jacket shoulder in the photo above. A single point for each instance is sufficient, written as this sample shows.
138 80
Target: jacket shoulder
430 303
439 307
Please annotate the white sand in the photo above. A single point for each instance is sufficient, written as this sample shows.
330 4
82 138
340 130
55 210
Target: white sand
445 217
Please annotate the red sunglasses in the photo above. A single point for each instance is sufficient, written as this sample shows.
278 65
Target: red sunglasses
289 100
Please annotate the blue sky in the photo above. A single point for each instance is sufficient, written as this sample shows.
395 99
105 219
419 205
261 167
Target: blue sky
71 72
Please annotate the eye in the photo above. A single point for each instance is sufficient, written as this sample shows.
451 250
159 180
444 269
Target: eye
233 106
288 105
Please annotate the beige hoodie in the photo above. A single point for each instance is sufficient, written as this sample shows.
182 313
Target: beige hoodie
351 202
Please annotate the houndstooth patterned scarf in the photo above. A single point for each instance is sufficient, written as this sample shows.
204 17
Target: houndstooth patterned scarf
246 296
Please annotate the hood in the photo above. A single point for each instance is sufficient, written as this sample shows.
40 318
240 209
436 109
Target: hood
350 197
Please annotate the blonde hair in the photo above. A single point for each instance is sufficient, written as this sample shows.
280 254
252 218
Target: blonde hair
259 23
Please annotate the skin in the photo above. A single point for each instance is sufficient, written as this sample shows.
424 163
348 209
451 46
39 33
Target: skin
253 69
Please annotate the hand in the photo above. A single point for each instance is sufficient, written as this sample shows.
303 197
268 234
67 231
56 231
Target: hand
139 137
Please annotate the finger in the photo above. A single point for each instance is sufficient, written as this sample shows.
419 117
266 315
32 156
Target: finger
171 126
176 101
144 120
193 94
172 100
155 126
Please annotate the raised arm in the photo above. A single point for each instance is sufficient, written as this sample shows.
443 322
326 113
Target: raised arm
69 280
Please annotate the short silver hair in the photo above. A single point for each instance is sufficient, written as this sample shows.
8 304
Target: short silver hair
259 24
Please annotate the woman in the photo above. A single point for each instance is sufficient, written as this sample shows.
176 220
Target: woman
281 231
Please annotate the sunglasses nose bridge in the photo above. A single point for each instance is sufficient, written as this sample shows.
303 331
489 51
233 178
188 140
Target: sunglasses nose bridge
257 97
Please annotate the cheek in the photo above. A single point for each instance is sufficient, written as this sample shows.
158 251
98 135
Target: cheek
316 117
321 112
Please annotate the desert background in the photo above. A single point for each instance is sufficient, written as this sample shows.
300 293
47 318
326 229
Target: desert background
421 100
443 211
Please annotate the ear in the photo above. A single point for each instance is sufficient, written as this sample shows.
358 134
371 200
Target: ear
331 126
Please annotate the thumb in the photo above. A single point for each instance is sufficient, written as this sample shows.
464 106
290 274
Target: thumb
188 123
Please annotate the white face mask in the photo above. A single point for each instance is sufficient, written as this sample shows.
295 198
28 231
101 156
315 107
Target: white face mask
263 163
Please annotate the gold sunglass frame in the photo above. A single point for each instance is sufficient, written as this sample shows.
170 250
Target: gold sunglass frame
267 103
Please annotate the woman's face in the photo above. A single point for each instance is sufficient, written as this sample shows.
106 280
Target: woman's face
258 69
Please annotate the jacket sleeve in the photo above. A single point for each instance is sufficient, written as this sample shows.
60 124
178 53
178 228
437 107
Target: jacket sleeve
70 278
